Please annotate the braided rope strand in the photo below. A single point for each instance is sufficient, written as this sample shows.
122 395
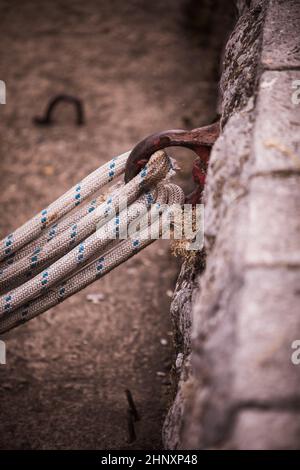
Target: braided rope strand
87 224
170 194
72 198
66 264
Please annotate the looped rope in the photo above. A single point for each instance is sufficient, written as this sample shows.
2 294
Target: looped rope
59 252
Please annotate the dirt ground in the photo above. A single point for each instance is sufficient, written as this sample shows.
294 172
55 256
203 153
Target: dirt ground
139 69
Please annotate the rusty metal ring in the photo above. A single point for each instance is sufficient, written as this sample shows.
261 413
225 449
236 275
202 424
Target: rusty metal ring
199 140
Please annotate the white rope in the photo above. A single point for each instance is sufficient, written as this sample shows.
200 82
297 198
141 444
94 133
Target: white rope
63 205
45 261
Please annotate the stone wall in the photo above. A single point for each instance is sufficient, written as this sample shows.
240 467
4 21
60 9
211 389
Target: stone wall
237 317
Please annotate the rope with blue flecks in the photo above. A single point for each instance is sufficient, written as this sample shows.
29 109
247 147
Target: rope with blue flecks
65 248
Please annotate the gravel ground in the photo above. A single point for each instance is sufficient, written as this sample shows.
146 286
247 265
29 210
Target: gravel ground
138 69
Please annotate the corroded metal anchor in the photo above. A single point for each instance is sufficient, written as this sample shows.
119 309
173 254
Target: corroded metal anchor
47 119
199 140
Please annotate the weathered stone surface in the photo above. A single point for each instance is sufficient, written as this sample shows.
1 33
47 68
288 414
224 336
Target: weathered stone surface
262 429
245 305
181 307
277 136
228 173
241 59
274 221
281 41
174 421
267 323
222 201
181 312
